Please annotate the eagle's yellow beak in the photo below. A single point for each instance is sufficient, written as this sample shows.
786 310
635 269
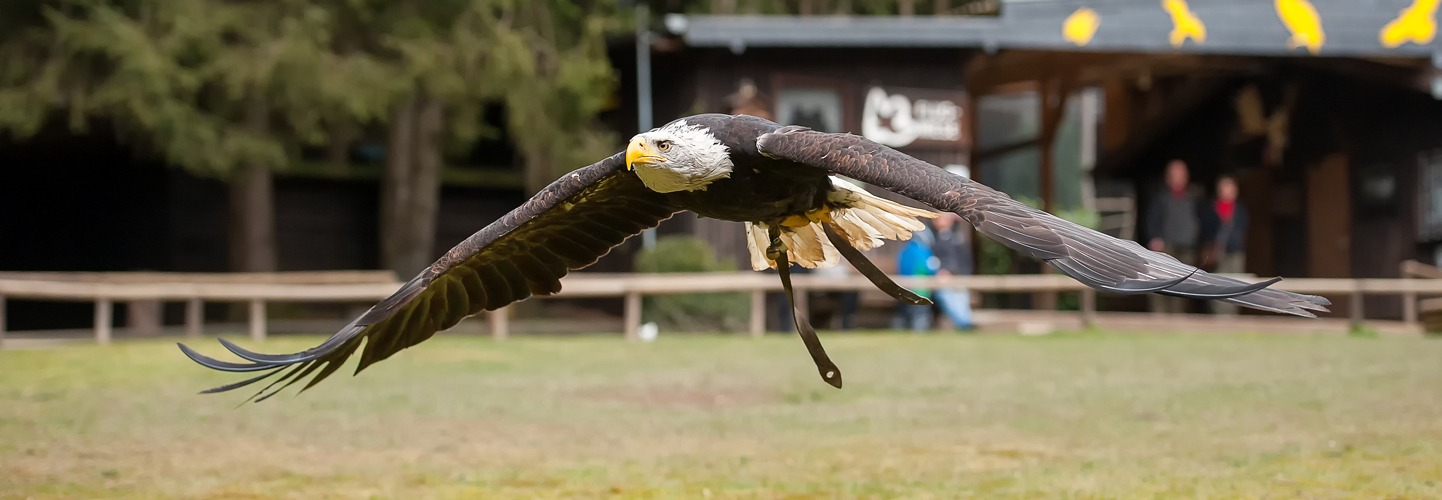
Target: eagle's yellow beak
640 152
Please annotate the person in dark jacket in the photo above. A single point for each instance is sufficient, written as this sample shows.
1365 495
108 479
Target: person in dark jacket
1224 231
1173 224
953 255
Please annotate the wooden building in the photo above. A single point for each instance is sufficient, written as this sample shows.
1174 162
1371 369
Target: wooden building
1325 111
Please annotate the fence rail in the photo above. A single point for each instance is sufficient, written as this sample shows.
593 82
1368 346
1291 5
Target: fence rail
104 289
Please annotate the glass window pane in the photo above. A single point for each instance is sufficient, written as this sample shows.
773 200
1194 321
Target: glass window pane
1007 119
816 108
1016 173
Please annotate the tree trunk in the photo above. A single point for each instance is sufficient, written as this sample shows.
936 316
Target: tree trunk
252 203
410 193
540 171
906 8
337 152
723 7
252 220
426 197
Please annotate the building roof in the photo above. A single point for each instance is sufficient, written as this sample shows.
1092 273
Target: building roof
1345 28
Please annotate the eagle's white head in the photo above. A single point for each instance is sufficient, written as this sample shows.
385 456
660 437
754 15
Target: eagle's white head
678 157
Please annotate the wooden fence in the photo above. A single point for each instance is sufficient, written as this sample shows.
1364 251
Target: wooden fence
257 290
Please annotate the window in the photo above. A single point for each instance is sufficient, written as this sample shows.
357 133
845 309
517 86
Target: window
818 108
1429 195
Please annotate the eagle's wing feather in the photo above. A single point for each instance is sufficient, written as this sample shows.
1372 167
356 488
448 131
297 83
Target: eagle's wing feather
1093 258
568 225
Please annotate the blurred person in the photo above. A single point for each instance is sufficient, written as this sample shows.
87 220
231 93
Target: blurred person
916 259
1173 224
953 255
747 100
1224 235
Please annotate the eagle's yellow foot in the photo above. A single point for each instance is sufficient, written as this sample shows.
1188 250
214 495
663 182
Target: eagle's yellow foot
822 214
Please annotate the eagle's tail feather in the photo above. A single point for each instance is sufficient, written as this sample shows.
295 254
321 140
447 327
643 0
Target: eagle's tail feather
756 243
808 246
863 219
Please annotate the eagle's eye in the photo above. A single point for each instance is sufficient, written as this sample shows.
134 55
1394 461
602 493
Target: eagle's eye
663 145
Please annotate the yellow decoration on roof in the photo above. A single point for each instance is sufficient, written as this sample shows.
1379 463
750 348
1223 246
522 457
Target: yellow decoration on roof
1305 24
1185 24
1080 26
1417 24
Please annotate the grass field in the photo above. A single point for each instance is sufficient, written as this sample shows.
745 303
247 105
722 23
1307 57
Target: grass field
1075 416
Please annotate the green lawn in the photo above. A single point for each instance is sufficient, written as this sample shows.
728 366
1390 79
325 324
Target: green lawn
1075 416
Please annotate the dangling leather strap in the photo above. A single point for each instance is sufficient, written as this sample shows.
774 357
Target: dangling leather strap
828 370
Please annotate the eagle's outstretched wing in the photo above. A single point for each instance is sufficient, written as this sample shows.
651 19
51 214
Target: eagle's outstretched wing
1093 258
568 225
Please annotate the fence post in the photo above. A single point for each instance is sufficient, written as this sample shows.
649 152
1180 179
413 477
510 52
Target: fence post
1089 307
144 317
103 320
1356 307
257 320
194 317
498 321
1409 304
758 312
633 316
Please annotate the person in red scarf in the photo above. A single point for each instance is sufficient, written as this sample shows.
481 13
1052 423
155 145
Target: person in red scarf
1224 231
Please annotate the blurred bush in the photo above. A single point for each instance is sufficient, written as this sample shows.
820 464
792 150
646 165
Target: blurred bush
691 312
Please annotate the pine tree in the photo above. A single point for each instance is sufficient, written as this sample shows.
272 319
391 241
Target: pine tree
234 89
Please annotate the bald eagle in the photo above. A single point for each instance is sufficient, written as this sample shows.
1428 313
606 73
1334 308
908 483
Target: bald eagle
785 183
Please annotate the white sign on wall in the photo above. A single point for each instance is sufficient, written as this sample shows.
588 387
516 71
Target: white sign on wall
896 120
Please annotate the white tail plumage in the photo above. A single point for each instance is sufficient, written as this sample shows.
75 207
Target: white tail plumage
865 220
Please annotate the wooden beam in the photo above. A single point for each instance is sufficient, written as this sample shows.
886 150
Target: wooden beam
985 73
619 284
103 320
1414 269
257 320
1054 93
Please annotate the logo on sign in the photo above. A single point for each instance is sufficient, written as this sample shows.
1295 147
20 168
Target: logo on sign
896 121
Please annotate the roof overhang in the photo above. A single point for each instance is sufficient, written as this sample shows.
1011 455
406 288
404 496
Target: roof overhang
1348 28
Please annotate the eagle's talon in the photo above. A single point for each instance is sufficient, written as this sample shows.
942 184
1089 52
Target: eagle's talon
776 250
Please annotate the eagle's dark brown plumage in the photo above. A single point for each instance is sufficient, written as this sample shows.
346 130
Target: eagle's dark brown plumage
775 172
